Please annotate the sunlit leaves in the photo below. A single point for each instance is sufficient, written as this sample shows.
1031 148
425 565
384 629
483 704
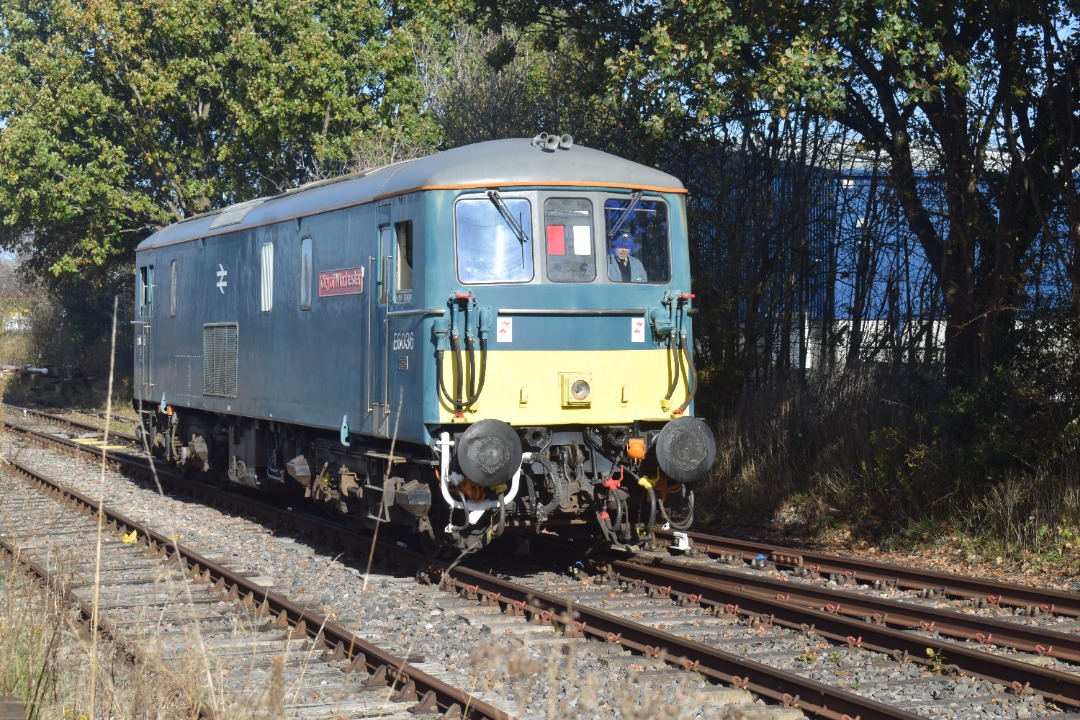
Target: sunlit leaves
122 114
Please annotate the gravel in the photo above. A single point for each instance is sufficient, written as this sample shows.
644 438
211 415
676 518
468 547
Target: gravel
526 671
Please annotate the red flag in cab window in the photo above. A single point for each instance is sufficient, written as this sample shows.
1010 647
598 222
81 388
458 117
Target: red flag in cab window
556 240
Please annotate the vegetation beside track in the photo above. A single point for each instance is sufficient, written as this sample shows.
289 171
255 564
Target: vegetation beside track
989 475
45 656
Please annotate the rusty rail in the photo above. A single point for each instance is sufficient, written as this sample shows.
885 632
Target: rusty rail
986 631
733 597
778 685
868 571
430 694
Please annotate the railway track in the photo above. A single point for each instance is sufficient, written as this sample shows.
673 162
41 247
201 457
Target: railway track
537 692
192 617
812 651
979 592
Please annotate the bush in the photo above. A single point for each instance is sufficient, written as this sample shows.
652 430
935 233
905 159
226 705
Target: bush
890 457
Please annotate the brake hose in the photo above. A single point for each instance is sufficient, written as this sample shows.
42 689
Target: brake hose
689 513
542 513
676 362
691 376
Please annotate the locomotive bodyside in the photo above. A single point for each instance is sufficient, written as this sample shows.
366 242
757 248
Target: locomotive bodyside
448 343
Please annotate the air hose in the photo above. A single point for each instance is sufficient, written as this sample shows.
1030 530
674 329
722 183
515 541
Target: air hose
651 494
674 361
685 524
691 375
474 393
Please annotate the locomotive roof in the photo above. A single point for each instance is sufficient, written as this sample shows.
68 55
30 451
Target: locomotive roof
493 164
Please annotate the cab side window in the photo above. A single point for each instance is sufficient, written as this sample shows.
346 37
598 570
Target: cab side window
306 274
172 288
403 261
146 292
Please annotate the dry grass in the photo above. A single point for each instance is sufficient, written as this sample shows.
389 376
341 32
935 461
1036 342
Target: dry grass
50 660
44 653
857 456
14 348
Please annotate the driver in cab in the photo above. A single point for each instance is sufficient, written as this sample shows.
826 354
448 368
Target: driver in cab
622 265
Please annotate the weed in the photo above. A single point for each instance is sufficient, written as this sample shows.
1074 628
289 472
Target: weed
937 659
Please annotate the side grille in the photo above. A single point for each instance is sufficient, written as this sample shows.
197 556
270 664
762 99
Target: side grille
219 359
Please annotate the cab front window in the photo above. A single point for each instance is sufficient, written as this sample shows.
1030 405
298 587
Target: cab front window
494 239
637 234
568 234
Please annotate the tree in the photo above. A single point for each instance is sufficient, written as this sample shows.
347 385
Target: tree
118 116
983 97
517 82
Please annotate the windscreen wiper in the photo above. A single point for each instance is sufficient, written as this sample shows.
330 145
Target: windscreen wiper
497 201
624 215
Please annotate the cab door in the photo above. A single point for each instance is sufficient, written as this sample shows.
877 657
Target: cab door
378 380
144 315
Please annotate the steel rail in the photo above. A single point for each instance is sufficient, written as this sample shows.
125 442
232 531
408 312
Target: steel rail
883 611
870 571
778 685
728 597
113 434
413 685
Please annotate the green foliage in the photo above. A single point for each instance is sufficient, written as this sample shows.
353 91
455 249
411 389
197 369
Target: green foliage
981 95
937 659
512 84
118 116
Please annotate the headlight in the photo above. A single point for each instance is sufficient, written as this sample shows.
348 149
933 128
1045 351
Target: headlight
576 389
580 390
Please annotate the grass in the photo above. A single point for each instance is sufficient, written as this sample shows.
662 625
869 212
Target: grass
50 660
15 348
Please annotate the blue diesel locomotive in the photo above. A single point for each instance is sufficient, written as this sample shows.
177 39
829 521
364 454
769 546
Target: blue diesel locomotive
493 336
